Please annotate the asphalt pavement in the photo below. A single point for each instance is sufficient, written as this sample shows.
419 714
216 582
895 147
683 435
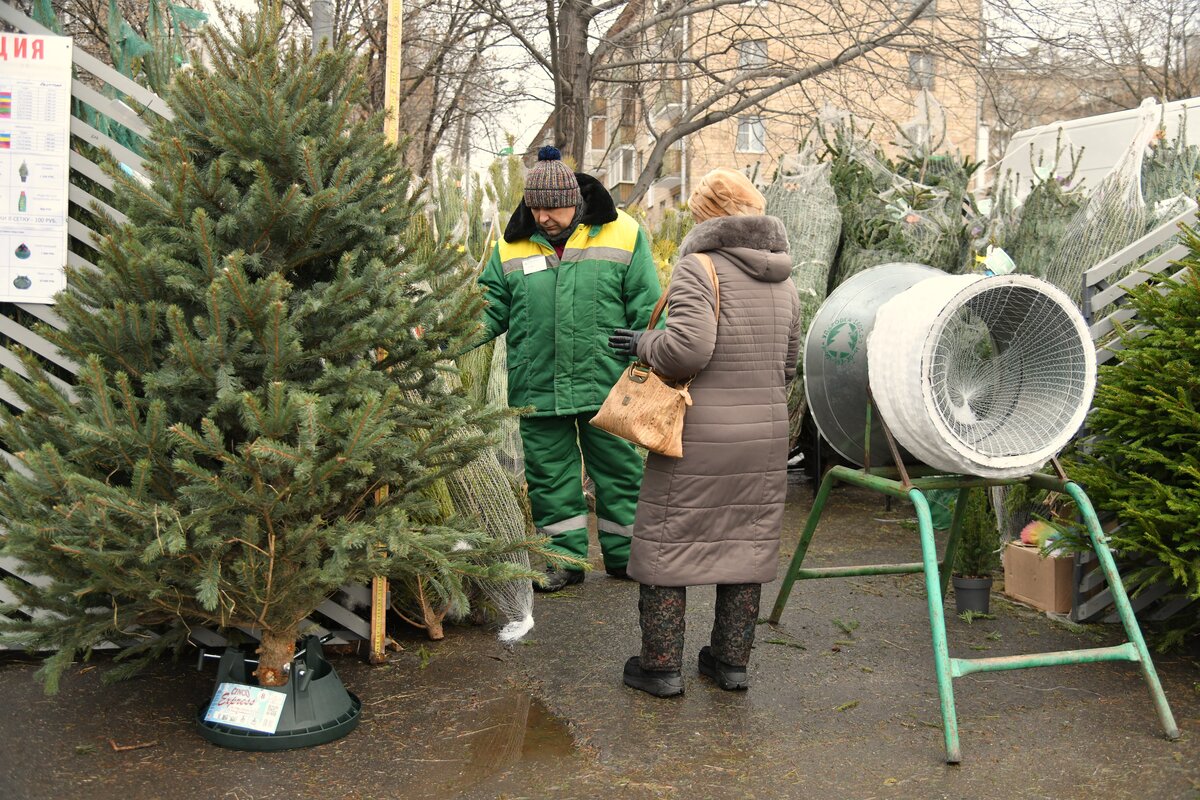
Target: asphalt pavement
843 704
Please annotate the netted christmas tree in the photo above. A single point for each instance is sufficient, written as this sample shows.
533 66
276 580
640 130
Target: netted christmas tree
489 490
803 199
906 211
1112 216
259 355
1032 232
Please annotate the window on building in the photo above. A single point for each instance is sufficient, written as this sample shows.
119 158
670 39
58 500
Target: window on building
908 6
624 165
752 54
751 135
598 133
921 70
628 106
671 39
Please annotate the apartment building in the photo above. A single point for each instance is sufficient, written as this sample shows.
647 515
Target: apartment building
687 66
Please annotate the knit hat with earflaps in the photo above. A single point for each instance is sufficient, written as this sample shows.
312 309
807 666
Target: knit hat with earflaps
551 183
725 193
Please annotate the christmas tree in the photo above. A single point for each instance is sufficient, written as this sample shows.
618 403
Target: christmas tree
1142 463
260 355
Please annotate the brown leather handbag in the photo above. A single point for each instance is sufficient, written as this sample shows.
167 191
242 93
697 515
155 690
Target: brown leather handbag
643 407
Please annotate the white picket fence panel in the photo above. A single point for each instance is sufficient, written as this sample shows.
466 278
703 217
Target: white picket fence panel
343 620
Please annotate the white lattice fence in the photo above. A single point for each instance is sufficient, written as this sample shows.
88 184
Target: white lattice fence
338 617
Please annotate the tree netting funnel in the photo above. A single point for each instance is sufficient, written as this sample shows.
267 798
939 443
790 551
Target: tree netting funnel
986 376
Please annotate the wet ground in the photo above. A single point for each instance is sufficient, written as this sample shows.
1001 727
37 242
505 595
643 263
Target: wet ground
843 705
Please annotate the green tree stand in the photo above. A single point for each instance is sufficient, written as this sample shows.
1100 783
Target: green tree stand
899 483
317 707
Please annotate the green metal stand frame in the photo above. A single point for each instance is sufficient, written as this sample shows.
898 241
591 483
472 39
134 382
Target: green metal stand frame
896 482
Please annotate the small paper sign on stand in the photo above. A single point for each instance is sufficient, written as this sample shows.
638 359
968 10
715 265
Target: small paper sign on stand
251 707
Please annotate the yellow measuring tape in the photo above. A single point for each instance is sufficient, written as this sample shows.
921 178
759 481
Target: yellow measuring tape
391 68
391 102
379 606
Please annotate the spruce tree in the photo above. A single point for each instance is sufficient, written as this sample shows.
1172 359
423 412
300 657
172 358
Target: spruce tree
1142 463
259 356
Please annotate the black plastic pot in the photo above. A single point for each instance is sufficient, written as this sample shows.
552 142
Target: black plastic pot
972 594
318 708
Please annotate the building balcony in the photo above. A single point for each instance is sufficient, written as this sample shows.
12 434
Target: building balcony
668 102
670 174
624 135
621 192
594 166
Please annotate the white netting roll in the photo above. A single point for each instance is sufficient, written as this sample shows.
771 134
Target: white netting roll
987 376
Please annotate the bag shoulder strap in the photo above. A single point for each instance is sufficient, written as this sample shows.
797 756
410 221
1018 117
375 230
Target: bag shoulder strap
707 262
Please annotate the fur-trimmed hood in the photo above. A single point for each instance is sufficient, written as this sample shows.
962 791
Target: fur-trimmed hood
758 245
598 209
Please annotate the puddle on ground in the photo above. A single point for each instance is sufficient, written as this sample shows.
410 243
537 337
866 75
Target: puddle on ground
510 731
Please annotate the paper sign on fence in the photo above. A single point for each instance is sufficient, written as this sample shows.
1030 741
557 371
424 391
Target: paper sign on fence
250 707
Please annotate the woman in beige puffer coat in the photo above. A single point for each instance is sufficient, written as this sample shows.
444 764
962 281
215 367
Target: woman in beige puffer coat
714 516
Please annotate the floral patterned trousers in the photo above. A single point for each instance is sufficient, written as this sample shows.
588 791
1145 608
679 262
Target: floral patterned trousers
662 610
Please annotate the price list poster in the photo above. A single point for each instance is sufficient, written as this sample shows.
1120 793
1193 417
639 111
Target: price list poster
35 133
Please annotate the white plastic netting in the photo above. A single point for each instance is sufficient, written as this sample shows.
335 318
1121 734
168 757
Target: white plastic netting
1170 180
487 490
509 450
1003 357
907 211
804 201
1113 216
484 491
983 376
925 132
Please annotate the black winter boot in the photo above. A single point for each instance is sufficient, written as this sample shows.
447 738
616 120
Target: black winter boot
668 683
727 676
555 579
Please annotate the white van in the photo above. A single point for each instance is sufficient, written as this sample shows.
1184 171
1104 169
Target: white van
1103 139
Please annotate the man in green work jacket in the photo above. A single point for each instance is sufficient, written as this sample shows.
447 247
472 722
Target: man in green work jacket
570 268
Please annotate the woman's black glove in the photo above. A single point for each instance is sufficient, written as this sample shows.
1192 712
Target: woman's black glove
624 341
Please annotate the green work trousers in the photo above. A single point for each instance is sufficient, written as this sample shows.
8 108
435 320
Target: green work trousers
554 474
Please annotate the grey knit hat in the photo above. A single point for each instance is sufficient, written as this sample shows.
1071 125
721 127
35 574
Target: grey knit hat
550 182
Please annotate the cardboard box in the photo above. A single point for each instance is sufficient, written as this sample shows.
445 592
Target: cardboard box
1045 583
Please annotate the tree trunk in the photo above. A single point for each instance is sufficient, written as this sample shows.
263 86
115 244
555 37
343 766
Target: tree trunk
574 79
431 617
275 651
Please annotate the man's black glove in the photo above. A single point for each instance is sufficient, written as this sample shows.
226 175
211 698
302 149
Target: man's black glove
624 341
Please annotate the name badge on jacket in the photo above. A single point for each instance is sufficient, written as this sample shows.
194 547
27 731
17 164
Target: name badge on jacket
533 264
